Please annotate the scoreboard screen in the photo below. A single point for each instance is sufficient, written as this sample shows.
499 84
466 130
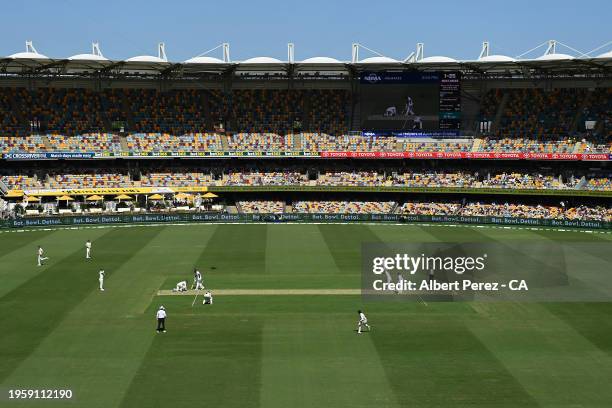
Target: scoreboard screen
410 101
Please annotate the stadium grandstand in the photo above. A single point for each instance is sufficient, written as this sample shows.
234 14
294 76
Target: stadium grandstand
490 137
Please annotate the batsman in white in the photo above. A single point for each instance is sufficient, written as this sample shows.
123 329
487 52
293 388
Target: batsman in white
101 279
88 249
197 279
363 321
41 256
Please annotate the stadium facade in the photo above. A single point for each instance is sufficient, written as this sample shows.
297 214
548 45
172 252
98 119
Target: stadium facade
490 137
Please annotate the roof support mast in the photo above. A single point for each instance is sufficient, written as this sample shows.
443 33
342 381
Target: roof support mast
485 50
30 47
161 51
290 55
226 52
95 49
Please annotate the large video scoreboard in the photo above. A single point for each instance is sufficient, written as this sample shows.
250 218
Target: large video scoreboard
408 101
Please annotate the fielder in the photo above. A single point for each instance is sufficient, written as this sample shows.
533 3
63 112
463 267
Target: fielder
88 249
41 256
197 280
101 279
180 287
208 298
363 321
400 280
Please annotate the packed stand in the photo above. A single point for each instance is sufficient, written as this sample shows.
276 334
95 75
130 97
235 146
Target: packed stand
175 179
344 207
147 143
261 207
91 142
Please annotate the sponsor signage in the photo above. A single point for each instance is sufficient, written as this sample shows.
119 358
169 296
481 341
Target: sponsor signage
294 217
326 154
375 78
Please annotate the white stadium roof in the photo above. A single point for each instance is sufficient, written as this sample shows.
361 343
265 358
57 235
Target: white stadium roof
554 57
605 55
262 60
378 60
145 58
436 60
88 57
28 55
204 60
496 58
321 60
31 61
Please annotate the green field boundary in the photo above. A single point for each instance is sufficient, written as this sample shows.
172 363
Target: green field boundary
403 189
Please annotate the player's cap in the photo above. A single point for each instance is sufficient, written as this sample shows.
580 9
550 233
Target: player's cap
161 308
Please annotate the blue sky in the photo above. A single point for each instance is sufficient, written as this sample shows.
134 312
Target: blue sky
60 28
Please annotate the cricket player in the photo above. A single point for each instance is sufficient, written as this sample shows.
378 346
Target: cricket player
181 287
409 110
197 279
400 280
208 298
41 256
101 279
88 249
363 321
161 319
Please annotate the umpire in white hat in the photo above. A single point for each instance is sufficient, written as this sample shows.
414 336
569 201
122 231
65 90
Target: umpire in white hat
161 320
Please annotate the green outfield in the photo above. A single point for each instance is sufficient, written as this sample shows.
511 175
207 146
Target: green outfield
284 350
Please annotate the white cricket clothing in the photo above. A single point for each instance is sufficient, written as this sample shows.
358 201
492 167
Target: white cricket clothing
198 281
87 249
161 314
362 318
101 279
208 298
181 286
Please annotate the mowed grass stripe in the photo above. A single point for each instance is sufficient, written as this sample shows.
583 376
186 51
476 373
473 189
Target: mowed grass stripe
592 320
291 253
108 332
344 243
319 361
235 249
44 302
433 363
402 234
546 355
592 244
12 242
19 266
202 360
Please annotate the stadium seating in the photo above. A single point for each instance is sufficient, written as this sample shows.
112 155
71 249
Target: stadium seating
261 207
175 179
344 207
23 144
90 180
93 142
